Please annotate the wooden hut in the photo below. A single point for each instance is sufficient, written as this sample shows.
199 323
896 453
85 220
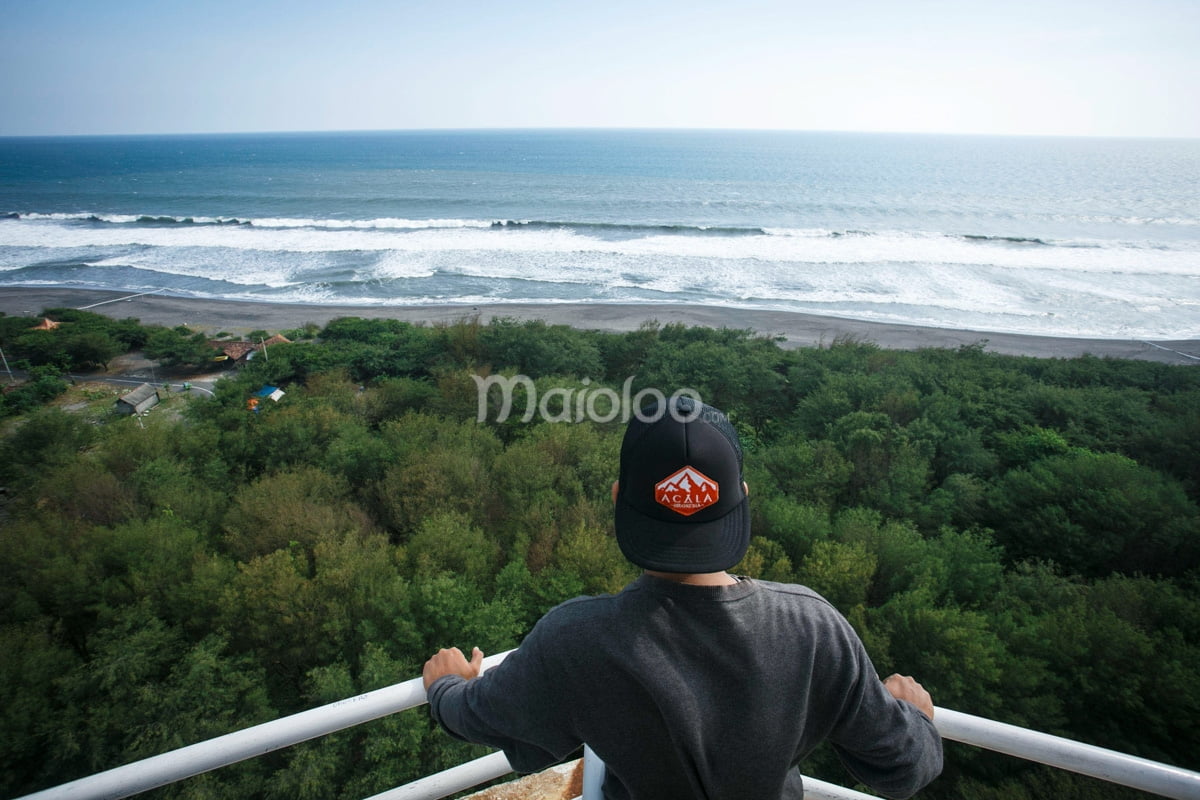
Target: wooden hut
141 399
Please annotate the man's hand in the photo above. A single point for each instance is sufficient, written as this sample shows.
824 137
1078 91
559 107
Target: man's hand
452 662
903 687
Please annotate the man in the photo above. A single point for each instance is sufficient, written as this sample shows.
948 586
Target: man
691 683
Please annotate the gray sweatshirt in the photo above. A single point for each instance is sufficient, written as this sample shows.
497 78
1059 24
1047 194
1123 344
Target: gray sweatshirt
695 692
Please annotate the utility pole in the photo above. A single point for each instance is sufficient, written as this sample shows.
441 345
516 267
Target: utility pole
7 368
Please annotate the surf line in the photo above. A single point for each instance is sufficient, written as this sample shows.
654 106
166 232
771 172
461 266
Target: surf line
118 299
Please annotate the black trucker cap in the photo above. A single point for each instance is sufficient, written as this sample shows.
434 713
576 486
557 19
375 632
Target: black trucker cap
680 506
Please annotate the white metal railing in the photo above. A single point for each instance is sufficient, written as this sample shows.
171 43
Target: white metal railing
1055 751
150 773
453 780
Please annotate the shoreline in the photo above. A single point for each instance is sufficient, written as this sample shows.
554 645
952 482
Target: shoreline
796 329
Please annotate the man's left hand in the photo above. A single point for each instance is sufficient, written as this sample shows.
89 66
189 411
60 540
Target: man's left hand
451 661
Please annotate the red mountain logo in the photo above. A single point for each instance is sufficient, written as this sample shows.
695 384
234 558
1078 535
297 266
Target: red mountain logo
687 491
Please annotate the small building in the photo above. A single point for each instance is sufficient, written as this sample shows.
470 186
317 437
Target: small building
232 352
141 399
270 392
237 352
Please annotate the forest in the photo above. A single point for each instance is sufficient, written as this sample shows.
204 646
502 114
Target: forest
1020 534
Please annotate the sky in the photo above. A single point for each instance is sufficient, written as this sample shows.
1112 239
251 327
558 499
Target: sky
1053 67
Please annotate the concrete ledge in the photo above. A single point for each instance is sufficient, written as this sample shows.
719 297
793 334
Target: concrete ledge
564 782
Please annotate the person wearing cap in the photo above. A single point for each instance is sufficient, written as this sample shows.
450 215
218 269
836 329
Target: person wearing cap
691 682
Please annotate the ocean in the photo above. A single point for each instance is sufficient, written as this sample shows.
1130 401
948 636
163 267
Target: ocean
1052 236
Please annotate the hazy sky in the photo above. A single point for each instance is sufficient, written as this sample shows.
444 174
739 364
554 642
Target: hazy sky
1093 67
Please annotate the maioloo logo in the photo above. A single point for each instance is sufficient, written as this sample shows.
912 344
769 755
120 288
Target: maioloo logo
687 491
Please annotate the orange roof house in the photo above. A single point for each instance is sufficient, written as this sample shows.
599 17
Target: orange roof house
233 351
238 351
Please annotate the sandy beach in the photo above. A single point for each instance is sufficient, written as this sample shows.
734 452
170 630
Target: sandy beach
793 329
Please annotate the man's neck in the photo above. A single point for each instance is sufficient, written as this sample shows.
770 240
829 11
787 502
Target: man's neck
696 578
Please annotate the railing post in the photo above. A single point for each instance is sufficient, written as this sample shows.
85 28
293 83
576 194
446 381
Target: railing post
593 775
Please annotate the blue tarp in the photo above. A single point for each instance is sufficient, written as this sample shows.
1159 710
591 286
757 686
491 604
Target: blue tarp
272 392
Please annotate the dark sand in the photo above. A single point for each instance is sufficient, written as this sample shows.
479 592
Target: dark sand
794 329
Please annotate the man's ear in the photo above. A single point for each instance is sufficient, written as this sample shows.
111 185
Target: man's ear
745 489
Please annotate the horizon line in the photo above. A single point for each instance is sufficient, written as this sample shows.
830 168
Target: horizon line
586 129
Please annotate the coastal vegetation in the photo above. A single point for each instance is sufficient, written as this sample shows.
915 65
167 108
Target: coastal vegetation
1022 535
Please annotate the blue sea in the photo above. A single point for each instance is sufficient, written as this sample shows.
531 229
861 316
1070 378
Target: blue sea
1060 236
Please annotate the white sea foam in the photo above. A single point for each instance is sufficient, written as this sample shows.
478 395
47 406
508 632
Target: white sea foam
384 223
388 223
401 265
130 259
781 246
115 218
248 269
1067 287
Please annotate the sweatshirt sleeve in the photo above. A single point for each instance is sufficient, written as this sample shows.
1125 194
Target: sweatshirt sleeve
884 742
515 706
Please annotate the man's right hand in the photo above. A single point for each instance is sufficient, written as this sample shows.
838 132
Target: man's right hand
903 687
